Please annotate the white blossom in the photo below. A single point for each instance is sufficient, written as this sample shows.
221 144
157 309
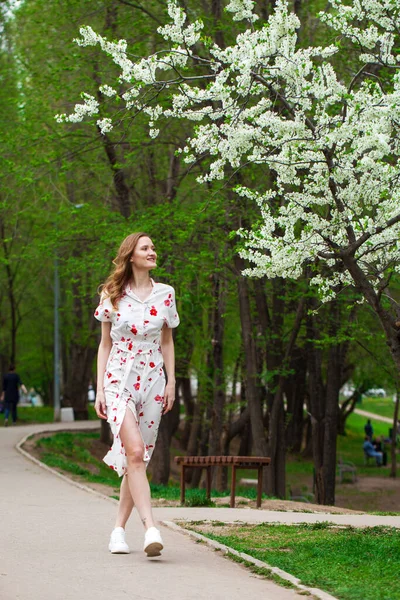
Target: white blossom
105 125
242 9
107 90
334 148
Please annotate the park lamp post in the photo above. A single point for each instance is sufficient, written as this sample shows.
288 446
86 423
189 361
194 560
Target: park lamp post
57 362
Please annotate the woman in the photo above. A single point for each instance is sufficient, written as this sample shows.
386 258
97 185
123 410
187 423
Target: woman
137 317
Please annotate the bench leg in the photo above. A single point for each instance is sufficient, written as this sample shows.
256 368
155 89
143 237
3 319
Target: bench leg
259 486
208 482
233 486
182 484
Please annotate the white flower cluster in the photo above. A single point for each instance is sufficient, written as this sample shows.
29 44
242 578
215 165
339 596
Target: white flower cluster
105 125
334 149
242 10
176 32
88 108
378 38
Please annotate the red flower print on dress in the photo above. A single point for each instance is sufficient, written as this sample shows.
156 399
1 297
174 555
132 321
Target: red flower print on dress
96 313
153 311
141 414
122 339
152 365
109 375
134 330
138 378
130 346
167 302
137 386
159 398
146 322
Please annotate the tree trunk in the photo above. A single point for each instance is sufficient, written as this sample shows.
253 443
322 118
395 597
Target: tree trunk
393 468
251 376
185 392
330 424
295 390
217 413
316 406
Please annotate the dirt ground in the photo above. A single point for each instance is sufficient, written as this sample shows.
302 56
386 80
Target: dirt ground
368 494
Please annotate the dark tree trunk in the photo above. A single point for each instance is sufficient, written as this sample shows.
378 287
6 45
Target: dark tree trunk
276 473
10 278
77 380
252 379
217 413
185 392
393 468
295 390
80 353
347 407
316 394
330 422
121 187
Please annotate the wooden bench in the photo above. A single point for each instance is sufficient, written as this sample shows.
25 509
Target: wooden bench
346 467
236 462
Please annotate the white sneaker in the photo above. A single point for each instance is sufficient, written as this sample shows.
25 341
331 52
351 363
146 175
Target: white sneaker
153 543
117 543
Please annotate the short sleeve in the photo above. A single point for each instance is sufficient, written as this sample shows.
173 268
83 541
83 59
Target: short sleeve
104 310
172 314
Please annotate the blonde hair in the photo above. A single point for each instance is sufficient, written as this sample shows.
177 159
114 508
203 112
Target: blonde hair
118 279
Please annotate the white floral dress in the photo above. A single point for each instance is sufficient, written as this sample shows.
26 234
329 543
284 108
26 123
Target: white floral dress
134 376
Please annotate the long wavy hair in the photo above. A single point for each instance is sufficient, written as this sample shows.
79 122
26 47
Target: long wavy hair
119 277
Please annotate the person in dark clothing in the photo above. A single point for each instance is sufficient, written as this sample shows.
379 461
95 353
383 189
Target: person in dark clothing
10 395
369 429
369 450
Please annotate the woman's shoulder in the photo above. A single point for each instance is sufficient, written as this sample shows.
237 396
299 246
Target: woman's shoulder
164 287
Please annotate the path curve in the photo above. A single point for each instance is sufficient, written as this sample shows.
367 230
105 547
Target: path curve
54 540
370 415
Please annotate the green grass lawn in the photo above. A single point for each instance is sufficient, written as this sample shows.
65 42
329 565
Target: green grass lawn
380 406
39 414
351 564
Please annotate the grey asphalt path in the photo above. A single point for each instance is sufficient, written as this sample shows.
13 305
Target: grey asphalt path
249 515
369 415
54 537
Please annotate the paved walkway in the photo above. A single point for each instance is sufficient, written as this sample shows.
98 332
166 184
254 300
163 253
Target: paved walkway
54 537
369 415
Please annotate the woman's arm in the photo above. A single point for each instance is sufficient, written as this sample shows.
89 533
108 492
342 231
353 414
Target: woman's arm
168 352
102 358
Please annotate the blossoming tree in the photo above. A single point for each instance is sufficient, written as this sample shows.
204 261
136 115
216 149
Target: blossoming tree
330 147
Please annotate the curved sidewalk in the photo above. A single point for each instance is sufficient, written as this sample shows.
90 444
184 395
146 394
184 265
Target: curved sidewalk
54 537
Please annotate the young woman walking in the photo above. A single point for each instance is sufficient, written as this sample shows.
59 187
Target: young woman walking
137 316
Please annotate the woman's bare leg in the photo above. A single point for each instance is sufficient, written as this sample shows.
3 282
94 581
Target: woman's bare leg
125 504
137 478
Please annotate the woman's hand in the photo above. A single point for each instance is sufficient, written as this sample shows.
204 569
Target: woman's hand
100 405
169 397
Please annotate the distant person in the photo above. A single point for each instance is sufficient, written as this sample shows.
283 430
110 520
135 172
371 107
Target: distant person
379 447
369 430
369 450
10 395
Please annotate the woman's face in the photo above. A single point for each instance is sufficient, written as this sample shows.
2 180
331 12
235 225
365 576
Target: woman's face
144 255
